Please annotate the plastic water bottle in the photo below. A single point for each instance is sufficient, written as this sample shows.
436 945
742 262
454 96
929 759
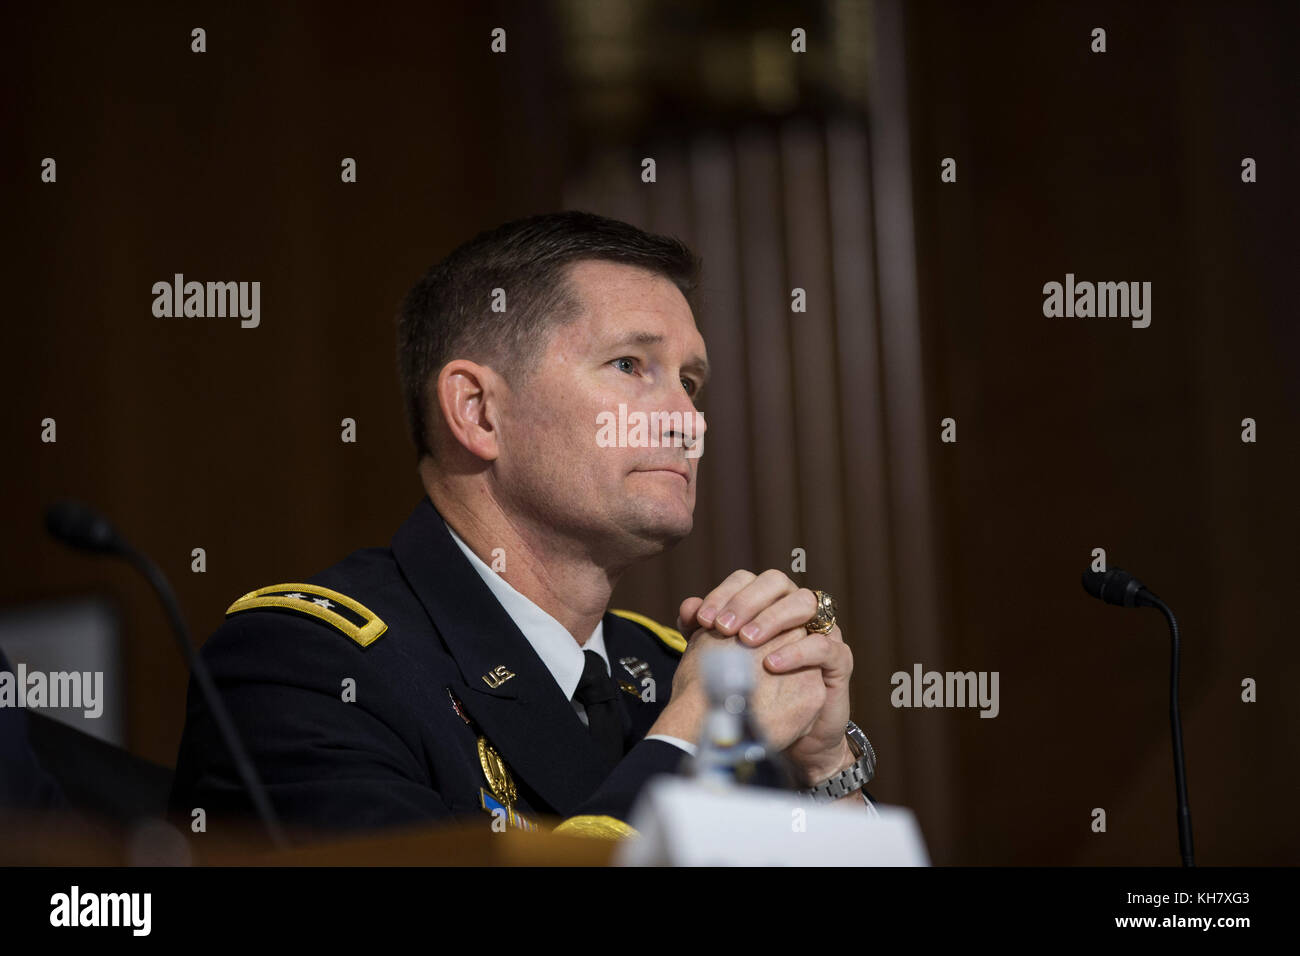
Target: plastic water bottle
731 748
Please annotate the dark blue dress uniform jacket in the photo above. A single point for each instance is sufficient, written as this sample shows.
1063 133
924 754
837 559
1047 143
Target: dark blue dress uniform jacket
401 753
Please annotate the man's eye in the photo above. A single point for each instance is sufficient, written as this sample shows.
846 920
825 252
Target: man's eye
628 364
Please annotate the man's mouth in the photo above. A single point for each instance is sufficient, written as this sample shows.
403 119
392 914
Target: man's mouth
681 473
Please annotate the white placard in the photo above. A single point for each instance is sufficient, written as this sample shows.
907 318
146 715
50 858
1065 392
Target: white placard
684 823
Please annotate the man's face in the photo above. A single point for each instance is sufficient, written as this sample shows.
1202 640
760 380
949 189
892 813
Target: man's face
633 344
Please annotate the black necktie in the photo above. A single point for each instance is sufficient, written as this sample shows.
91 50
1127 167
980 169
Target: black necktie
599 697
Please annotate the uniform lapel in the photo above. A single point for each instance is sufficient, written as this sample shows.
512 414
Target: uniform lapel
524 716
623 639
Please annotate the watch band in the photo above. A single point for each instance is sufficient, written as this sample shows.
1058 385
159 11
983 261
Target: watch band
854 777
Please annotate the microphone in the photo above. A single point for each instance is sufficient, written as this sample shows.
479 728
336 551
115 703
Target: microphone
82 527
1117 586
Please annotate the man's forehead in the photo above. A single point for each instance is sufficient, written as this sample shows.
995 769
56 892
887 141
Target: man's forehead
628 305
618 287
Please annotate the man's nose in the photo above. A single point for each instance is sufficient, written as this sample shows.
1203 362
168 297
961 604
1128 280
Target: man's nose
684 422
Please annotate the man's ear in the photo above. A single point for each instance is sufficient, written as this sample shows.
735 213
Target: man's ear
469 395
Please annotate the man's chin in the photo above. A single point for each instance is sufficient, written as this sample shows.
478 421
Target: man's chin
661 530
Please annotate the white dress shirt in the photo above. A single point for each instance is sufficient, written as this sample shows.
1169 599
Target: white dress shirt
562 655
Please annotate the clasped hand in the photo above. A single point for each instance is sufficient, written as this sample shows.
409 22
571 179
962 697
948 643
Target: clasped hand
801 698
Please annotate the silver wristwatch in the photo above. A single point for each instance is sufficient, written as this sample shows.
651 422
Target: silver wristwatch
854 777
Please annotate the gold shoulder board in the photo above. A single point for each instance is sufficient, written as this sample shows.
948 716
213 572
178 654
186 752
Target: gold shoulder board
337 610
597 827
672 638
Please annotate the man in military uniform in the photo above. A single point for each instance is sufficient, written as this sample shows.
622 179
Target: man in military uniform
474 666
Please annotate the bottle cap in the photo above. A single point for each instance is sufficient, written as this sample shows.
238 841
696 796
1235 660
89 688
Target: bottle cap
727 671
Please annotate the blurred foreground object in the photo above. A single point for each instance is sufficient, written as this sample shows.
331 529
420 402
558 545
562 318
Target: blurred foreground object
682 823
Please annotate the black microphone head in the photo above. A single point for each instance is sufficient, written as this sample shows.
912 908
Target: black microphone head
81 526
1115 586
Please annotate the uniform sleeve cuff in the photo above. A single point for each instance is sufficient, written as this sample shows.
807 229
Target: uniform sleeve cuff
675 741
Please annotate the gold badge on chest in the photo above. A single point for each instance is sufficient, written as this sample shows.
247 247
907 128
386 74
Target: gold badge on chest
497 773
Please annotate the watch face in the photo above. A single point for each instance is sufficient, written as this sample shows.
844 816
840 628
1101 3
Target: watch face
861 746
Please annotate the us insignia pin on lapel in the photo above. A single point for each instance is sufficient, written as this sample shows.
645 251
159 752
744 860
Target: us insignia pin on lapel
497 676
